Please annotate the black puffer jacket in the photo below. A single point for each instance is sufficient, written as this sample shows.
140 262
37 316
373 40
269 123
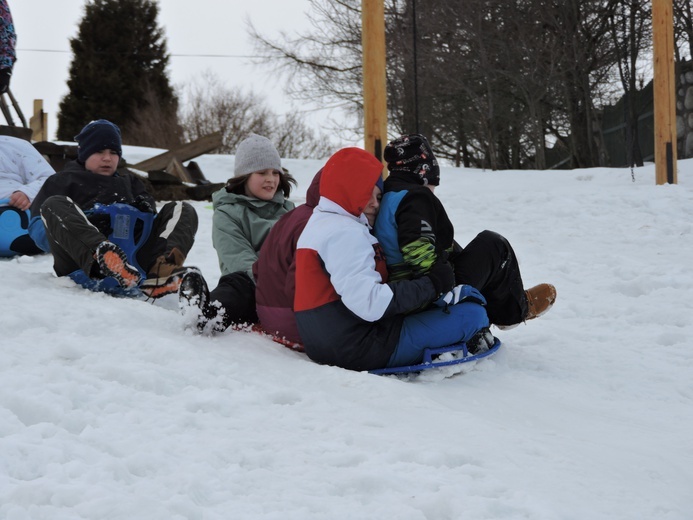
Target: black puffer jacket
86 188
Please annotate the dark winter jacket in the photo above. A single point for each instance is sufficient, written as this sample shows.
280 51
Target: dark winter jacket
275 269
87 189
347 314
413 228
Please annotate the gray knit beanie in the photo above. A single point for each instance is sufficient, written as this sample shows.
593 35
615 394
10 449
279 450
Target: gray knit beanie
254 154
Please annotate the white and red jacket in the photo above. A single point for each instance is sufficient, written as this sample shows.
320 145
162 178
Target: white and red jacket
346 313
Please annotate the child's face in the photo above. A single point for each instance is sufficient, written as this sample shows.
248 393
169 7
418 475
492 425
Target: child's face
104 162
373 206
262 185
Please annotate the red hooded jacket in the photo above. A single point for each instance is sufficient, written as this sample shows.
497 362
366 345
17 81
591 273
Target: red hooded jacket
347 313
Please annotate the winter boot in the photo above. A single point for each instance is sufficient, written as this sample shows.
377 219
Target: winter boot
481 341
540 299
113 262
165 275
193 291
212 318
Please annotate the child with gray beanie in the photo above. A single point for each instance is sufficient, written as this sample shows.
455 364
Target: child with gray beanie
244 212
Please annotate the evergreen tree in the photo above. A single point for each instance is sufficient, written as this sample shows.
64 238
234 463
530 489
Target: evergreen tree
118 72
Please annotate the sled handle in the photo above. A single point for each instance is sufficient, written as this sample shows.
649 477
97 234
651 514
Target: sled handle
4 202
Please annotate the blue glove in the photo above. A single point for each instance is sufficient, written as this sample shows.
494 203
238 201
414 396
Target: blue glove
461 293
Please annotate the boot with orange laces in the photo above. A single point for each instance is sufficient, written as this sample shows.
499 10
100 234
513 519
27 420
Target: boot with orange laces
113 262
165 275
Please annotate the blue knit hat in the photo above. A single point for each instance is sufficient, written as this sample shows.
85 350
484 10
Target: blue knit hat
96 136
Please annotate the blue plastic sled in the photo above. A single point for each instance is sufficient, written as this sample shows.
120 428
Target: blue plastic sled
14 232
124 220
430 359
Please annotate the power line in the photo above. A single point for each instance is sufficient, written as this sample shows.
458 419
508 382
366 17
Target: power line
176 55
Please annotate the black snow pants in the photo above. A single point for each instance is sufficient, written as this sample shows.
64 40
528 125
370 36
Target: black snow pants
489 263
73 238
236 293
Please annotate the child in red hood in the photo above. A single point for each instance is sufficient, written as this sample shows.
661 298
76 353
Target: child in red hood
347 313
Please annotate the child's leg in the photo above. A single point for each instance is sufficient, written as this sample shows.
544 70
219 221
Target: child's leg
436 328
72 238
236 294
489 263
174 227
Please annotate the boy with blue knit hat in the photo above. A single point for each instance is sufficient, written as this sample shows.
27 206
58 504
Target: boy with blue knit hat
97 136
415 232
78 236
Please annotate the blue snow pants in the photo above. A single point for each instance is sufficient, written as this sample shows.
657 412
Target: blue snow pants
437 328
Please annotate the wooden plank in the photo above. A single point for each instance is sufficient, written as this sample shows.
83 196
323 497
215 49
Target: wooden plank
176 168
184 153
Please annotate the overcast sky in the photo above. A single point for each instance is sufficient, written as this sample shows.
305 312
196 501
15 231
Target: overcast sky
201 27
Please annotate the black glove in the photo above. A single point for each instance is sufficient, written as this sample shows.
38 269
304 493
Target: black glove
5 75
442 276
102 221
143 204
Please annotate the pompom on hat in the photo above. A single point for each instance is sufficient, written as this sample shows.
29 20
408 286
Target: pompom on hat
96 136
411 156
256 153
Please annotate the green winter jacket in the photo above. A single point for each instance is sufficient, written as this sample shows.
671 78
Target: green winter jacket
240 225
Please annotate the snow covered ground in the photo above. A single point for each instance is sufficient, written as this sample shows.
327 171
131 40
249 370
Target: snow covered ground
114 409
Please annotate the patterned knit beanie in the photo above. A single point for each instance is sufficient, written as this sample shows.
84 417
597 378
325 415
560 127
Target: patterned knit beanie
411 156
255 154
96 136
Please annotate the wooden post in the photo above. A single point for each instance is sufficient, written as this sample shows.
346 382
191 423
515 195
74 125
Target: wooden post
664 89
374 80
39 122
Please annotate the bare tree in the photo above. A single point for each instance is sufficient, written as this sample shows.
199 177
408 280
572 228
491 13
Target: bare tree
683 29
209 106
630 24
486 80
154 124
324 64
581 30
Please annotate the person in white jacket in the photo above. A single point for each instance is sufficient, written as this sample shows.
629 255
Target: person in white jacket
23 170
347 312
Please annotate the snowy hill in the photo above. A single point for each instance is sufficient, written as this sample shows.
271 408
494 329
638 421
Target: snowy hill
114 408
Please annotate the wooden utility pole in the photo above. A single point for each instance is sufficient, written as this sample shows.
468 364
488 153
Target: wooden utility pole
374 82
664 89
